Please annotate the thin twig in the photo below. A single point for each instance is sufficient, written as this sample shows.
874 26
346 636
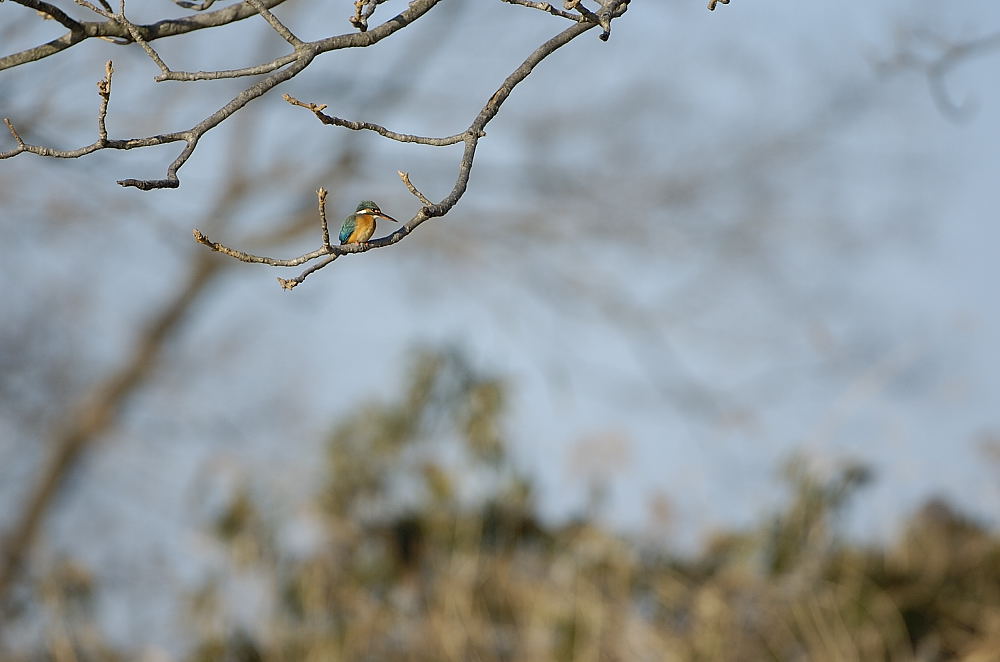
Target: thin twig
546 7
202 239
106 13
363 10
273 21
104 90
321 194
10 127
290 283
257 70
137 37
405 176
317 110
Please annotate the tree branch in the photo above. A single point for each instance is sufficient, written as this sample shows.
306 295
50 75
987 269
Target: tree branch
938 66
95 415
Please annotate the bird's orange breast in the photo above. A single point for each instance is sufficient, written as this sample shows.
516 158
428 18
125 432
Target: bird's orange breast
364 228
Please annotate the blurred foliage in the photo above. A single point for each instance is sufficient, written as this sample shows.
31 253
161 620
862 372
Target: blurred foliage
428 546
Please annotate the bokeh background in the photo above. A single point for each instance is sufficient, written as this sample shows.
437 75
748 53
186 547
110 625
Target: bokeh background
703 366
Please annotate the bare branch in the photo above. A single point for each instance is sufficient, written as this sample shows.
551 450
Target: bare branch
712 3
317 110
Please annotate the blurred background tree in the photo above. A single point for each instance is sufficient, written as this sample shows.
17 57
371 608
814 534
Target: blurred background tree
424 543
684 257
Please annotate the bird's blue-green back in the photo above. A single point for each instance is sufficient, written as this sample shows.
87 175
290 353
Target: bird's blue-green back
346 229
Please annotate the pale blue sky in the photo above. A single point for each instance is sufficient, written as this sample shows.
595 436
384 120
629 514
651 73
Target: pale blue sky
834 297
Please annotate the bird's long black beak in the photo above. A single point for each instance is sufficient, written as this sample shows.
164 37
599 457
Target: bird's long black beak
386 217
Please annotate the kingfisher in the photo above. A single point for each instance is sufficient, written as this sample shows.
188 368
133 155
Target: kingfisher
360 226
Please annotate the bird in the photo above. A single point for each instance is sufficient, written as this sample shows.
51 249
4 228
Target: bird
359 226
